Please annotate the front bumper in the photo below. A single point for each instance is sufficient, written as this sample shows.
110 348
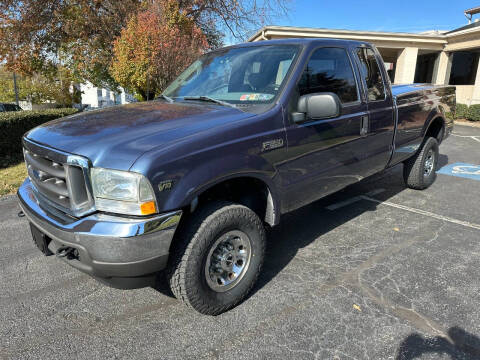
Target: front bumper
123 252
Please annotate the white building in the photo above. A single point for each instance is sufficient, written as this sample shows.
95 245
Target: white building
94 97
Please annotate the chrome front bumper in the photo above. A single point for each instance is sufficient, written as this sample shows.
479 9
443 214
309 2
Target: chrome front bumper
114 249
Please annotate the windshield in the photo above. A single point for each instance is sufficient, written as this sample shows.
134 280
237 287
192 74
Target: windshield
248 75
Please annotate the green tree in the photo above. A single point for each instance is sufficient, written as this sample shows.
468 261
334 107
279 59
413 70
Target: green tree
39 89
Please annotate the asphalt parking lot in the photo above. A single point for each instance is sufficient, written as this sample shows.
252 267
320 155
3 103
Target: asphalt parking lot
377 271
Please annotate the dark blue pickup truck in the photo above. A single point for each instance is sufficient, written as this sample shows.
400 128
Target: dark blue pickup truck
187 183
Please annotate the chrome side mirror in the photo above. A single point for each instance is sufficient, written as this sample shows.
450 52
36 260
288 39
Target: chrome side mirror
317 106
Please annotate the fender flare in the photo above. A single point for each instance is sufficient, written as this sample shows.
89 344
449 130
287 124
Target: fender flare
431 118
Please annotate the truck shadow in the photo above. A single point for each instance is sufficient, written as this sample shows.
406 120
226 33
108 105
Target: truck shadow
301 227
459 345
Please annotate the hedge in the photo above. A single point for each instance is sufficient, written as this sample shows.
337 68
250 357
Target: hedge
14 124
474 112
463 111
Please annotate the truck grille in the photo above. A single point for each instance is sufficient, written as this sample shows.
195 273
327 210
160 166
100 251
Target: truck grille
59 180
49 177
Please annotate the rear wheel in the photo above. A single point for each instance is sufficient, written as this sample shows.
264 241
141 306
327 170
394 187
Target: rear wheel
419 172
217 257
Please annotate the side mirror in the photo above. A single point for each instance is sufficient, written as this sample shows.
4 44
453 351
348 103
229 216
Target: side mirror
317 106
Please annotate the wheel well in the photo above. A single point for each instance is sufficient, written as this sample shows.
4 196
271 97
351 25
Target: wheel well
435 129
247 191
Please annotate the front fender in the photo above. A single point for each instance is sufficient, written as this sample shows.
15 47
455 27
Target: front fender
207 174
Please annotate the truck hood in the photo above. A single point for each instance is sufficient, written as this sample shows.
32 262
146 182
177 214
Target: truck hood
115 137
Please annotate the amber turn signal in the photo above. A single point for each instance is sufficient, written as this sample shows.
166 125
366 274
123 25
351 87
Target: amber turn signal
148 208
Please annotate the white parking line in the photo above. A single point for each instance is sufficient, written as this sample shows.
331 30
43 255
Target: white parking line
423 212
368 197
476 138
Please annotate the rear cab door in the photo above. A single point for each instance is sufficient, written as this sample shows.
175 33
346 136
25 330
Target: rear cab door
378 127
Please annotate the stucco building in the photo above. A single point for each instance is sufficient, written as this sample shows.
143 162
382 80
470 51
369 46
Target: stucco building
438 57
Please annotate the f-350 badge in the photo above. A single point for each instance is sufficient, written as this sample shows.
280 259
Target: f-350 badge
272 144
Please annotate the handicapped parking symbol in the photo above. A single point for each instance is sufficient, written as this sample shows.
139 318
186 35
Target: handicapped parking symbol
466 169
469 171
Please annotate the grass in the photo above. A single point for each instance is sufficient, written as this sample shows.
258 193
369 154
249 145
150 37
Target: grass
12 174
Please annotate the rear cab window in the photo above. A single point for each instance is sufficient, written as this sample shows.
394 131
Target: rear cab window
370 72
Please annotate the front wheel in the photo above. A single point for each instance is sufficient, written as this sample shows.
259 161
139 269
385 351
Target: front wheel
419 172
217 257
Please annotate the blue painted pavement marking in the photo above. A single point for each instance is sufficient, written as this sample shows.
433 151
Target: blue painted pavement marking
468 171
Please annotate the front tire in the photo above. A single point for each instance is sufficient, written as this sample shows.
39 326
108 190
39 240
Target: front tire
217 257
419 172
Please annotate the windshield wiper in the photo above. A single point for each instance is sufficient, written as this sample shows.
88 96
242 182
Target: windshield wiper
210 99
165 97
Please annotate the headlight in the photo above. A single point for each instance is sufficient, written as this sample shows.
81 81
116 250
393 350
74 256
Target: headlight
122 192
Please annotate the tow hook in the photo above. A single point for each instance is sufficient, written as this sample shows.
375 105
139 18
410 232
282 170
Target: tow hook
68 252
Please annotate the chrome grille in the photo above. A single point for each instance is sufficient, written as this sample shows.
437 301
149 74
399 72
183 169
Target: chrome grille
49 177
60 179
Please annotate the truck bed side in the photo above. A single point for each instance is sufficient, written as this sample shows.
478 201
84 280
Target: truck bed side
417 107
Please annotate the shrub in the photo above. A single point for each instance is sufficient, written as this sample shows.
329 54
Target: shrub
461 111
474 113
449 116
14 124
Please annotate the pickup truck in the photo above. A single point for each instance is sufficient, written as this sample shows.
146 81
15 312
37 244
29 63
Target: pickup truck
185 185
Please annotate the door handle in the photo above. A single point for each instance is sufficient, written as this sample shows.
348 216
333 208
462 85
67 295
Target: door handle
364 125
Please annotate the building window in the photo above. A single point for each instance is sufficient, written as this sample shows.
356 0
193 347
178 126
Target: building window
424 68
329 70
464 68
99 93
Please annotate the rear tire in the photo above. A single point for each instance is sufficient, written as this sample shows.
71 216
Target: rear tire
217 257
419 172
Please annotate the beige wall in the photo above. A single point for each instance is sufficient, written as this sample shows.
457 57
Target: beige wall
464 94
406 62
476 88
442 69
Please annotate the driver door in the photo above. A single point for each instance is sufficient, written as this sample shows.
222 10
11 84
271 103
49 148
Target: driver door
323 154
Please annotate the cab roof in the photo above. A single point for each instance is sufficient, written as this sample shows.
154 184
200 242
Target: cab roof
301 41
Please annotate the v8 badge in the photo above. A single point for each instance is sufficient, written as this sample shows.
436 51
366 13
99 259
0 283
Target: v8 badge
165 185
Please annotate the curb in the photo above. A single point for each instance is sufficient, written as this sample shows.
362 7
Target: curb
468 123
7 197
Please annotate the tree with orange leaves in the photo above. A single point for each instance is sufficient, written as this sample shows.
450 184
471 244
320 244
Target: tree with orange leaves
154 47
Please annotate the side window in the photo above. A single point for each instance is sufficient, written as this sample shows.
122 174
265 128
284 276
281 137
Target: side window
371 73
329 70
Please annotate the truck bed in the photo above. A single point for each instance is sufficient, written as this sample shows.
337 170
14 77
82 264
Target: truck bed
416 105
401 89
